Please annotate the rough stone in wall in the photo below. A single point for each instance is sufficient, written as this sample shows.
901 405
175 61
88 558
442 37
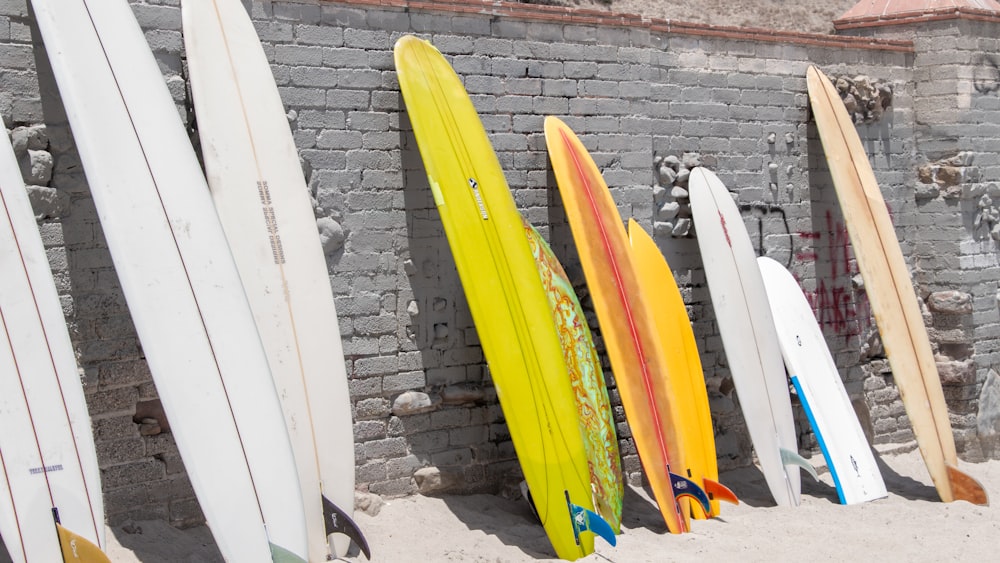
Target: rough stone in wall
670 194
946 177
866 100
31 146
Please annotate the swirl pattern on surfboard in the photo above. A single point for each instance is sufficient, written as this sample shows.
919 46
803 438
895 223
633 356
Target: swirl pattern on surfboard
596 418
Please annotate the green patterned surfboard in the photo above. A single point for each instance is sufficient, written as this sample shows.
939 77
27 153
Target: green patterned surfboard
596 418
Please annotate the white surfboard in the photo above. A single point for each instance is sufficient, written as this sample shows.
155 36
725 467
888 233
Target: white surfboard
820 388
178 276
48 464
748 333
257 183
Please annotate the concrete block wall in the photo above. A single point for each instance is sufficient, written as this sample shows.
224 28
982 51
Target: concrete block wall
634 89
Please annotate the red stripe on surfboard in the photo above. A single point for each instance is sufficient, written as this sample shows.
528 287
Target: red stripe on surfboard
616 270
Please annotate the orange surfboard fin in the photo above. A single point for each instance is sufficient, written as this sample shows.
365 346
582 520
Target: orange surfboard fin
966 487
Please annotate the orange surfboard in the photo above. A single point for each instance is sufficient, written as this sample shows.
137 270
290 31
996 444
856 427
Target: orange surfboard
627 325
687 379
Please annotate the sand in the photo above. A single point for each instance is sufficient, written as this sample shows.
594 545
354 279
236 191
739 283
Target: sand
909 525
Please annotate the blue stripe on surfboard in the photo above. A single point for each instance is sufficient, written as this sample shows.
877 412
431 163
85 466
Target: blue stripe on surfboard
819 438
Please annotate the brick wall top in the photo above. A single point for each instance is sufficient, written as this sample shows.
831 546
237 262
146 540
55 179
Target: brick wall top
580 16
926 16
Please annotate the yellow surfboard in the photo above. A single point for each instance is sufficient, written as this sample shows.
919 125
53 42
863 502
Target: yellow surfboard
627 324
892 296
687 380
508 303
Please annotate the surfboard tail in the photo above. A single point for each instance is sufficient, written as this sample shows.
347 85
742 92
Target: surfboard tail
78 549
338 522
585 520
966 487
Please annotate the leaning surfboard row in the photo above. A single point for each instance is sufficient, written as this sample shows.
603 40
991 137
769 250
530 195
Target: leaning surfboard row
766 324
227 285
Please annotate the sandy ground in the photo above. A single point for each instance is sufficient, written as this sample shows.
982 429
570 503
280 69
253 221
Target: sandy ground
909 525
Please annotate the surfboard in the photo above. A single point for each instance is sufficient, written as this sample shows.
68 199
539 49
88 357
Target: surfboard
261 196
597 420
178 277
508 304
820 389
687 379
50 484
626 322
748 334
890 291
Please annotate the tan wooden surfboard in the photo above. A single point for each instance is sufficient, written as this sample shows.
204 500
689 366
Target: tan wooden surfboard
890 291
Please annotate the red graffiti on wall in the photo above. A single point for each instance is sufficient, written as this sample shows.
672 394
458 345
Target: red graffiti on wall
835 301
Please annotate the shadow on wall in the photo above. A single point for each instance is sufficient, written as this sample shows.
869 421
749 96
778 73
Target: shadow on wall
457 437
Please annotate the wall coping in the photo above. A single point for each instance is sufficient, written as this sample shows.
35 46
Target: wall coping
587 16
924 16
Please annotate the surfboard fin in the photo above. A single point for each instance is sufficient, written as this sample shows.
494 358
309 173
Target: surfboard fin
966 487
684 487
338 522
718 491
789 457
282 555
590 521
78 549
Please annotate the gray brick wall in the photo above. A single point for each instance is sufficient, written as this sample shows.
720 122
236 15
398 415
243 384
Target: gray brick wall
736 101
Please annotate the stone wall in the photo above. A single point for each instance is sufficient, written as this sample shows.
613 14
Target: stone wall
643 95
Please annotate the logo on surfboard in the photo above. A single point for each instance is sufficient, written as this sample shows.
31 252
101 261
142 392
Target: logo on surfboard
474 185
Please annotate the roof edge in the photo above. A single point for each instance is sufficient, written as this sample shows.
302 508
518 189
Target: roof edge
917 17
584 16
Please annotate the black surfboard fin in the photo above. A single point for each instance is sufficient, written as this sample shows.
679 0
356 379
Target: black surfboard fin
338 522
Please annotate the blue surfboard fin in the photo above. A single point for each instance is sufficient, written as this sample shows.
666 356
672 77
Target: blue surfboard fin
789 457
589 521
684 487
338 522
